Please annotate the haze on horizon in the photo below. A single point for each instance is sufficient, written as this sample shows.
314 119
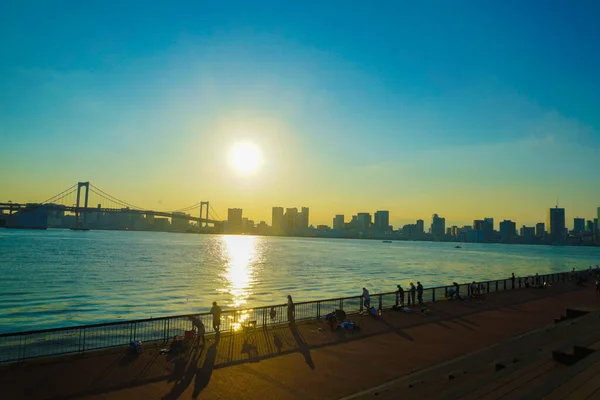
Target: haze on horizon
466 109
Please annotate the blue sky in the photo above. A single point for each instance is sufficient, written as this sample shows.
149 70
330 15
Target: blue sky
464 108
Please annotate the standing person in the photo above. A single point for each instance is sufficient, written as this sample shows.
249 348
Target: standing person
512 278
366 299
400 296
413 290
216 314
456 291
420 293
291 309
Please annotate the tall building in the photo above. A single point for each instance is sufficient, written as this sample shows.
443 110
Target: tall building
508 230
589 226
290 219
302 221
478 225
364 221
596 228
277 220
438 225
420 227
338 222
597 219
382 221
556 224
540 230
234 220
489 223
578 225
528 232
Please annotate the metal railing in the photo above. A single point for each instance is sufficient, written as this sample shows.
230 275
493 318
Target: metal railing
80 339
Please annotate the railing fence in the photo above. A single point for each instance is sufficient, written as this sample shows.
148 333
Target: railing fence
77 340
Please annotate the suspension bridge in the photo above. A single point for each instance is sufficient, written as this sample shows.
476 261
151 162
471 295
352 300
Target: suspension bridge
71 208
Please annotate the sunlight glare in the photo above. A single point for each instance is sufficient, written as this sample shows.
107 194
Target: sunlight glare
241 251
245 157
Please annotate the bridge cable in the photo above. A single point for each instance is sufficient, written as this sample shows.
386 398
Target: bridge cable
53 197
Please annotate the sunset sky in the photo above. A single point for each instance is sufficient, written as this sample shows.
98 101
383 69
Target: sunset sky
468 109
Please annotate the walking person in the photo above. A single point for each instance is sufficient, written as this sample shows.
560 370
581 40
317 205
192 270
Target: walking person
400 296
291 309
420 293
366 299
512 278
216 314
456 292
413 291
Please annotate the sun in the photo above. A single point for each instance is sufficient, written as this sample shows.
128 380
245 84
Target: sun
245 157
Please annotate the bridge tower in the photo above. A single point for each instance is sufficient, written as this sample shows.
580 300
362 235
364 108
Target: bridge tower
202 204
85 185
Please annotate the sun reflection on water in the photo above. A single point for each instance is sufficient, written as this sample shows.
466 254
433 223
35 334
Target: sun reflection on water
240 252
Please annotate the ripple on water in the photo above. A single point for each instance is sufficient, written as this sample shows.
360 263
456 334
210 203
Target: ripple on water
58 278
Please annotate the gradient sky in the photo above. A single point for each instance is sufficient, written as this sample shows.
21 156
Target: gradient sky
463 108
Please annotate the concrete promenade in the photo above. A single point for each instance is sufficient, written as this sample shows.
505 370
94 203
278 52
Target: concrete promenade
305 362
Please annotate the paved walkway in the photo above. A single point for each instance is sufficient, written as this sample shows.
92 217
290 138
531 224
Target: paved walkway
308 362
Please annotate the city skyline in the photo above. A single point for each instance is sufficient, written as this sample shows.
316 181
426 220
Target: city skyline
486 109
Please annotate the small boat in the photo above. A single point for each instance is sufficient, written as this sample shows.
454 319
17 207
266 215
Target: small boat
458 247
387 241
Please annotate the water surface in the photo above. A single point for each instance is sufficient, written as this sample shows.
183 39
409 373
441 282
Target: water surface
63 278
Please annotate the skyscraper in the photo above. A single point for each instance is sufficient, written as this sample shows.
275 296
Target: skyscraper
338 222
508 230
302 221
438 225
420 227
234 220
290 219
540 230
277 220
382 221
490 221
556 224
364 221
578 225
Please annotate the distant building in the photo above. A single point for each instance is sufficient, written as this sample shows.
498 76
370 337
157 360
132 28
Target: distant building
234 220
489 222
438 225
528 232
508 230
540 230
589 226
262 228
454 231
364 221
596 219
323 228
556 224
596 229
382 221
290 219
478 225
409 229
302 219
277 220
338 222
247 225
578 225
420 225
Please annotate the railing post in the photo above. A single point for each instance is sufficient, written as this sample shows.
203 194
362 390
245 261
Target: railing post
468 290
83 348
361 304
505 285
380 302
341 304
318 310
488 287
433 295
496 286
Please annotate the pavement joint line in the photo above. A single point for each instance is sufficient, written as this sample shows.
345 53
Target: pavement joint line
444 363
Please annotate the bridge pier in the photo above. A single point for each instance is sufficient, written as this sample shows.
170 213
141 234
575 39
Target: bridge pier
202 205
85 185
